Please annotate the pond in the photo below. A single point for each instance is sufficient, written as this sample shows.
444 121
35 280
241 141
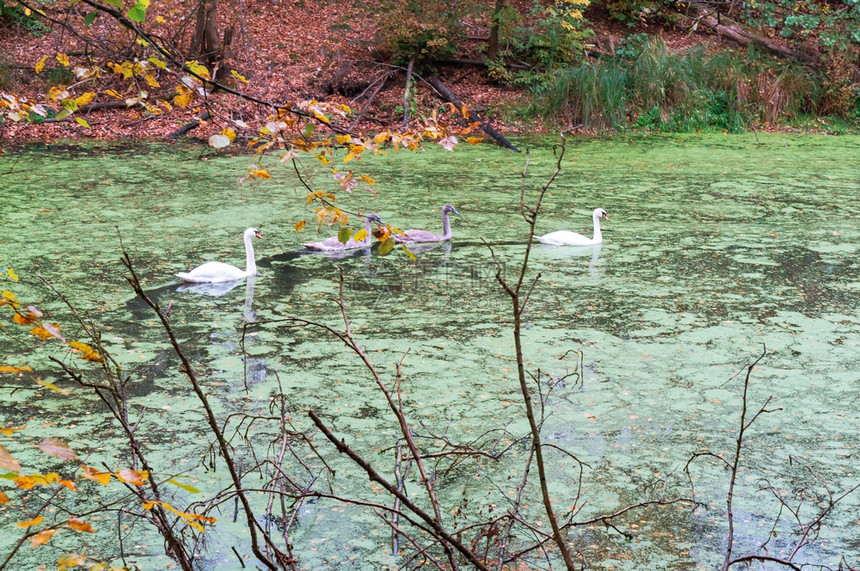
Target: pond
718 249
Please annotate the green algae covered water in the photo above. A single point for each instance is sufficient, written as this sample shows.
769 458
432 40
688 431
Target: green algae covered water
719 249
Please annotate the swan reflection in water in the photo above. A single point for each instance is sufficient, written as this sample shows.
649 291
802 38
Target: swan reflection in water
214 289
426 247
255 368
219 289
558 253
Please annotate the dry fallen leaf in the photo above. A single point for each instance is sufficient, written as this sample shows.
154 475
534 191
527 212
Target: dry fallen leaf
57 448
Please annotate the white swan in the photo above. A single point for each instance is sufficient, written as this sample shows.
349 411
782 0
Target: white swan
332 244
212 272
415 236
567 238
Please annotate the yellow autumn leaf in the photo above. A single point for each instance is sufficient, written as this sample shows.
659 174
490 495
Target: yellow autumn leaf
360 235
238 76
322 158
40 65
68 561
348 157
82 122
183 99
47 330
25 482
300 225
320 116
4 499
57 448
14 370
52 386
28 319
112 93
63 59
12 275
187 487
42 537
189 518
229 133
342 139
132 476
261 173
89 353
474 140
85 99
80 525
367 179
197 68
7 462
32 522
150 80
69 484
157 62
386 246
10 430
95 475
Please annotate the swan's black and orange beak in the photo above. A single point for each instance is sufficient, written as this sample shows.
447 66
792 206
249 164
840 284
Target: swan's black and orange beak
258 235
604 215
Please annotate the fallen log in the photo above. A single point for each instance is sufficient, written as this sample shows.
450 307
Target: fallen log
102 105
449 96
735 32
189 126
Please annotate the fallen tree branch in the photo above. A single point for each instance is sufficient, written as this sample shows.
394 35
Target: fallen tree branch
191 125
449 96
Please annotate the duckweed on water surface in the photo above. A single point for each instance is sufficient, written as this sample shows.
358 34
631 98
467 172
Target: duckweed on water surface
717 246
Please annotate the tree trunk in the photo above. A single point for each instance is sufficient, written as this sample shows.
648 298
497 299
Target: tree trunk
206 44
493 47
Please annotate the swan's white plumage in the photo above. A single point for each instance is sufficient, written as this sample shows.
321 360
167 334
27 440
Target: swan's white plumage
567 238
416 236
212 272
333 244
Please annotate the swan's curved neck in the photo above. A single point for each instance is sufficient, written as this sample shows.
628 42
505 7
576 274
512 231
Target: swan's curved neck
446 226
250 264
598 236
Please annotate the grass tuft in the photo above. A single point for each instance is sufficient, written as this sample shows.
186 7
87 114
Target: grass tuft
691 90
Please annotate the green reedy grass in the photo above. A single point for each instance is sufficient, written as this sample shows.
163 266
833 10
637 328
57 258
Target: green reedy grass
683 91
